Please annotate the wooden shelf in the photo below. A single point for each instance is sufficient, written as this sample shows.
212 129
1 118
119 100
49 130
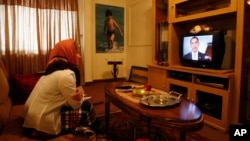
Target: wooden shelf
225 73
226 15
189 10
203 15
179 1
204 71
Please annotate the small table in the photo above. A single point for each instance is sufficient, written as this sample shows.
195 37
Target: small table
115 68
184 117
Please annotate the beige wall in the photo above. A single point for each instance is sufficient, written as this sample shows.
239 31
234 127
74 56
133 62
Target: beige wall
137 38
139 35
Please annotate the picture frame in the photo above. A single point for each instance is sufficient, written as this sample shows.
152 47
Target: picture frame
104 37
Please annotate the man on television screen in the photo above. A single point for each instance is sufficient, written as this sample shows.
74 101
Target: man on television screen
194 54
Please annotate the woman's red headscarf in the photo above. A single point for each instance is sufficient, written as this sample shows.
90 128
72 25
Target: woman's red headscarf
64 49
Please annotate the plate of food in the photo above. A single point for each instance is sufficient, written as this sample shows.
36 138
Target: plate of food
141 92
161 100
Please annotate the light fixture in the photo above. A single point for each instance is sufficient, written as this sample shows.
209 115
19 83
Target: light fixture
248 2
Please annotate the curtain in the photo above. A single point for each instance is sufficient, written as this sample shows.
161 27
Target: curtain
29 29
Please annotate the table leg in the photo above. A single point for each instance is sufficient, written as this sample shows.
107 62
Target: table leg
182 136
107 110
149 126
148 122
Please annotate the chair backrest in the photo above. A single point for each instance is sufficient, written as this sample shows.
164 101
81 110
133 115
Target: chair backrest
138 74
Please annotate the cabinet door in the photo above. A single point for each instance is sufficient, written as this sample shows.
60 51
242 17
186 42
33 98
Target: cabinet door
160 27
157 78
185 88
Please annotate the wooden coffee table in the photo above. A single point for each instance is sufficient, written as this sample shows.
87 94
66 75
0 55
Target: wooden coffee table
183 117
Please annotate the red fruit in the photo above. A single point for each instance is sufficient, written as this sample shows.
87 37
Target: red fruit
147 87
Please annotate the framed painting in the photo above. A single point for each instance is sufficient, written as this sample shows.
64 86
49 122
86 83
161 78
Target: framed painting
109 29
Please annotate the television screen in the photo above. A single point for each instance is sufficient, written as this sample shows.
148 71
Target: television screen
205 50
198 47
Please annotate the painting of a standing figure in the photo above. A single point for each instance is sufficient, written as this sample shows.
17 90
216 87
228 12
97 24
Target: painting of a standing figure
109 29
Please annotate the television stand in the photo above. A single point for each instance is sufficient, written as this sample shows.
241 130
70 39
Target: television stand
211 90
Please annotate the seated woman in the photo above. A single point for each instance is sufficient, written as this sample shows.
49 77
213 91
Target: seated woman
58 89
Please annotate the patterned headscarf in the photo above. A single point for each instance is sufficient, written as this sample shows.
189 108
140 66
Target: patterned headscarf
65 49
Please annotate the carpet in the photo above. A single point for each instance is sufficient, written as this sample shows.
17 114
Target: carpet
124 127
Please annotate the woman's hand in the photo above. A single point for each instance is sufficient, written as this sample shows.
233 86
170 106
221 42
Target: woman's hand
79 94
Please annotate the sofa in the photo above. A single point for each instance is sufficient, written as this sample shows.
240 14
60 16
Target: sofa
14 90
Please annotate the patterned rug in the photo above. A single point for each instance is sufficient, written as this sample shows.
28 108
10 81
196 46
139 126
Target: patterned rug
124 127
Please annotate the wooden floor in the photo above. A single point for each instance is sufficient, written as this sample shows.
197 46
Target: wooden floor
96 91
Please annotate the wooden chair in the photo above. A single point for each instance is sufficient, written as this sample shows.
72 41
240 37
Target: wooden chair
138 74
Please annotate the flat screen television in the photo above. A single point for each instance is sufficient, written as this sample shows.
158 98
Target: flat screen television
203 50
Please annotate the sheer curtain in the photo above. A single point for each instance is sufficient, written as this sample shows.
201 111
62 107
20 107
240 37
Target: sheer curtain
30 28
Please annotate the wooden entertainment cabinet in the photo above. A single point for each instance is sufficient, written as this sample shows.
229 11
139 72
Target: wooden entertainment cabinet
216 92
